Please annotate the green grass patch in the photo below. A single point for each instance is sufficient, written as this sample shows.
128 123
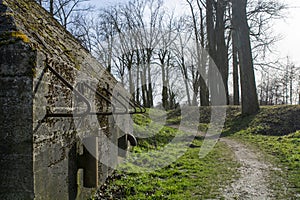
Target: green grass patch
274 131
187 178
150 133
179 172
271 120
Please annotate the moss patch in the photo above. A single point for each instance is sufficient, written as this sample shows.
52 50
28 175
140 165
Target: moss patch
20 35
12 37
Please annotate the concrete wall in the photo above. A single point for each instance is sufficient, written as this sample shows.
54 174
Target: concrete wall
39 154
16 138
16 103
58 140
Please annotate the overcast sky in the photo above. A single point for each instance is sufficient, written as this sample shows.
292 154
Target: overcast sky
288 28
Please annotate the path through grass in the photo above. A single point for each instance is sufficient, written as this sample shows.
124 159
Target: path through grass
272 131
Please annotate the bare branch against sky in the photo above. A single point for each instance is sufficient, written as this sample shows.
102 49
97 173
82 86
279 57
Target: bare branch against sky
288 27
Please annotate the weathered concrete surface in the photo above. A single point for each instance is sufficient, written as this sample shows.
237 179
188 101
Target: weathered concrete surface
38 154
16 138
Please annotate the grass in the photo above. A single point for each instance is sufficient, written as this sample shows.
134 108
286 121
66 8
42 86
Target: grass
187 177
274 131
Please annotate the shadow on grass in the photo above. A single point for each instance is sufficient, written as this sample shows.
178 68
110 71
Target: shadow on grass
237 123
270 120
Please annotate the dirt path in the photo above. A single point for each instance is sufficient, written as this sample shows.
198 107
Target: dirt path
254 173
252 183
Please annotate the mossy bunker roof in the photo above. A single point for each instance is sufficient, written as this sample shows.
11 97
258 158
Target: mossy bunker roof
26 21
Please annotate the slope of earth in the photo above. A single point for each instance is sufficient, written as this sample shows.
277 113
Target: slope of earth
257 158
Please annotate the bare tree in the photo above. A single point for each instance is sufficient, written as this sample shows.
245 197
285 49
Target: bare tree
199 73
235 71
130 41
83 28
260 16
180 49
248 85
65 10
165 57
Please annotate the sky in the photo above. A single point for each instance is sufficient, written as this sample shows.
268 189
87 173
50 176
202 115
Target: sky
288 28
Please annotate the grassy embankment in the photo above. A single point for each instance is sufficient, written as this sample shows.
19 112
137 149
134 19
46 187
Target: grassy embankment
273 131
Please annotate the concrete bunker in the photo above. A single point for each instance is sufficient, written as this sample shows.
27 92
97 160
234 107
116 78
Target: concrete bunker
58 109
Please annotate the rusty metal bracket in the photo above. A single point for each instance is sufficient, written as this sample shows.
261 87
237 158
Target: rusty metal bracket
107 100
65 82
134 105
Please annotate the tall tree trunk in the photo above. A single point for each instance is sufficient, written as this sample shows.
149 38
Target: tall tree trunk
204 92
261 101
138 76
165 98
267 90
222 54
196 87
138 83
199 81
287 82
131 85
144 88
185 77
109 59
187 91
236 86
150 90
291 77
129 61
168 83
276 97
212 74
248 86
